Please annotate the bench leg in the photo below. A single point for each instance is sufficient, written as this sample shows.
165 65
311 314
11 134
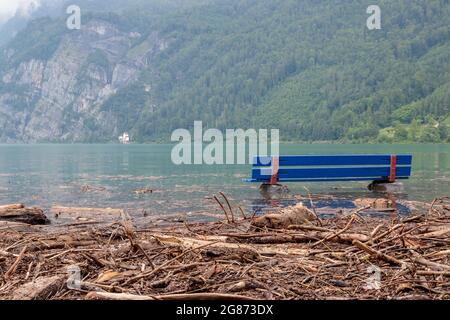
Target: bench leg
273 191
385 186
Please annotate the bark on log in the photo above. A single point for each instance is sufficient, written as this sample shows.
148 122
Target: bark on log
378 203
16 263
32 216
12 206
433 273
284 218
437 234
40 289
237 247
273 238
433 265
378 254
51 245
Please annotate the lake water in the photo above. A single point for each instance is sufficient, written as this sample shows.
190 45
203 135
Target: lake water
46 175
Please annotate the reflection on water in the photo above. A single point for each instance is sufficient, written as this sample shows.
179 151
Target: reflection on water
45 175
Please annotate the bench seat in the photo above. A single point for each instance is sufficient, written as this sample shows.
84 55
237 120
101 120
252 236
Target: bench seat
315 168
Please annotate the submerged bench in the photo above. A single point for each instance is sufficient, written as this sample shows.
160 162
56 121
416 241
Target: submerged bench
314 168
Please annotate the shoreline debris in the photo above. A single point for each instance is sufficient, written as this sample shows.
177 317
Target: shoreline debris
406 257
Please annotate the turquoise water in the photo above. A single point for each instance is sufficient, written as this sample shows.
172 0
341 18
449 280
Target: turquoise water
46 175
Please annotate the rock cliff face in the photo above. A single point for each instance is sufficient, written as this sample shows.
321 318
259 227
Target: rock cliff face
62 98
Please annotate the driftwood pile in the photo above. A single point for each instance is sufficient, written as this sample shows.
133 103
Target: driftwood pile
348 257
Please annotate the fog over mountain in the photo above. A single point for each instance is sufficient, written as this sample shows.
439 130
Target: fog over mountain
15 14
8 8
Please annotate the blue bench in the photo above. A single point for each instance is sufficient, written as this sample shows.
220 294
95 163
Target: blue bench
311 168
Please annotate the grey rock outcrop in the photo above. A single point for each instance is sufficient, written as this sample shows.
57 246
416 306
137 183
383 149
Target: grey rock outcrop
60 99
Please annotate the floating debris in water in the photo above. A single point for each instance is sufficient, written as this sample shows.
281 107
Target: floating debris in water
143 191
89 188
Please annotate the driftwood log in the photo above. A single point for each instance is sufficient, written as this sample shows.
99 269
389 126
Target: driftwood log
18 213
41 288
379 203
86 214
177 297
283 218
267 238
12 206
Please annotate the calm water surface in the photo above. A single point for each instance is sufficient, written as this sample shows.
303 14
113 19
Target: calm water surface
46 175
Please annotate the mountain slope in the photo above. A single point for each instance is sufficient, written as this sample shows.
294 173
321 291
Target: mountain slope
310 68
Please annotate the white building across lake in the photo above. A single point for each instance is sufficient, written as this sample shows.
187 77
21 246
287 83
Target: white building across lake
124 138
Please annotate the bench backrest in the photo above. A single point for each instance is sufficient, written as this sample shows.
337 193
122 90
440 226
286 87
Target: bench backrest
376 167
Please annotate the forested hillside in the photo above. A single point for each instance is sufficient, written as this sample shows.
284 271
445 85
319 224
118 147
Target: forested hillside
308 67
